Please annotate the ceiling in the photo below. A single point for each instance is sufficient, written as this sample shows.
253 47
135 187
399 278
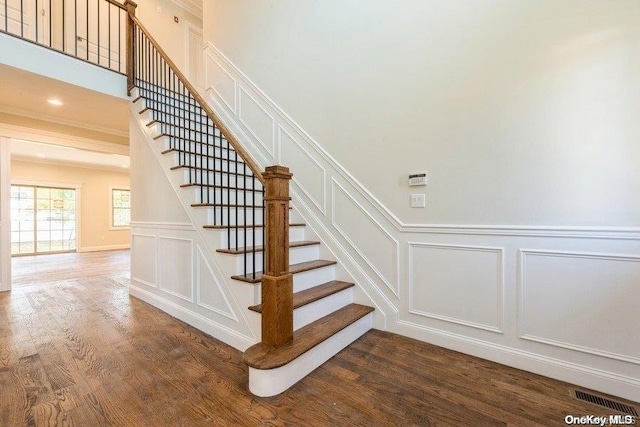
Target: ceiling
26 94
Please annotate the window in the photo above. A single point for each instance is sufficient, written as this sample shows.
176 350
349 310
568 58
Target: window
43 219
120 207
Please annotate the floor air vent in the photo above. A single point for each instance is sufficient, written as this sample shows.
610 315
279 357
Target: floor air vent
604 402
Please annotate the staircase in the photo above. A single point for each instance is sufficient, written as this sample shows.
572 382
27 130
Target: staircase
306 316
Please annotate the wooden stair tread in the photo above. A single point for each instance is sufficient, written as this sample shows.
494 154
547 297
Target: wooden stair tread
239 160
262 356
223 187
293 269
225 205
197 168
224 227
239 251
313 294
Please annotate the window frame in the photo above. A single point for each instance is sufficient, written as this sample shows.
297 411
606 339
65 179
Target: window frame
112 226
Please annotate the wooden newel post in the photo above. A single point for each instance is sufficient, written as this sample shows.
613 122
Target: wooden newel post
131 48
277 282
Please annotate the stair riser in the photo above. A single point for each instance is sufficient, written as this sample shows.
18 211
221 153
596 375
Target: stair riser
296 255
234 216
210 163
309 313
168 115
169 105
218 178
214 148
168 90
188 131
270 382
216 195
295 234
311 278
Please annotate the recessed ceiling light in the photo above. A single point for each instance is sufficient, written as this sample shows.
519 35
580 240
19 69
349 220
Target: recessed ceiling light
42 156
125 166
54 101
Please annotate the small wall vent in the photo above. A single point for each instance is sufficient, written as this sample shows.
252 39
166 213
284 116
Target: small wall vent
604 402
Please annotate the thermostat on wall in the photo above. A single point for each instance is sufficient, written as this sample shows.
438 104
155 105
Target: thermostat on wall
417 179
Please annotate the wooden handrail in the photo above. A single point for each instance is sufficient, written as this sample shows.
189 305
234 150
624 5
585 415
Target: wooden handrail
115 3
255 168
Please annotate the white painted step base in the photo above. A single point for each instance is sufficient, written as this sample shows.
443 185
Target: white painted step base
270 382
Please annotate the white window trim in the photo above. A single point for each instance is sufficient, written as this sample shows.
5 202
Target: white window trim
111 226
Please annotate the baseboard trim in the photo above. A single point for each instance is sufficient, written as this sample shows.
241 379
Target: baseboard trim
103 248
216 330
606 382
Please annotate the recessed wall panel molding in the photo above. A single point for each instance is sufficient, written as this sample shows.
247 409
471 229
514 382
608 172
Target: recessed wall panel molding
220 82
379 249
307 172
209 291
457 283
144 246
175 274
585 302
257 120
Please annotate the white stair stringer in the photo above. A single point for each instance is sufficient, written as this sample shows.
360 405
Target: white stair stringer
241 295
270 382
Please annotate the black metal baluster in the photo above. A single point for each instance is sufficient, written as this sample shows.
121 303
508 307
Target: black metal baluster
87 27
75 26
253 222
120 50
98 15
109 35
64 18
37 13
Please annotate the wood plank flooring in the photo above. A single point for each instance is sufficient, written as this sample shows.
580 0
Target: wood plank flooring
77 350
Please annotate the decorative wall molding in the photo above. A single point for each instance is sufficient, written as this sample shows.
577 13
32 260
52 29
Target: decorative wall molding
170 274
230 103
201 262
240 79
498 284
395 274
491 331
632 277
184 226
322 203
242 96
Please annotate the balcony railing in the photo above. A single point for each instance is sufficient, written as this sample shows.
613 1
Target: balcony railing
91 30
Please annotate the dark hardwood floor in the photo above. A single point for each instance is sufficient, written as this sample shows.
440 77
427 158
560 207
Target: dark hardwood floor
77 350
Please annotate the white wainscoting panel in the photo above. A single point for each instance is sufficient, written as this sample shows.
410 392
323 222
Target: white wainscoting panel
144 269
581 301
459 284
220 81
176 276
360 229
209 291
257 121
307 172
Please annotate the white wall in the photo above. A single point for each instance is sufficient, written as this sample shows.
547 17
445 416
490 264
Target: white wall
523 256
520 112
158 17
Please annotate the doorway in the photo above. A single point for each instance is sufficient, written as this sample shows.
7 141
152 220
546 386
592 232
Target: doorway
43 220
